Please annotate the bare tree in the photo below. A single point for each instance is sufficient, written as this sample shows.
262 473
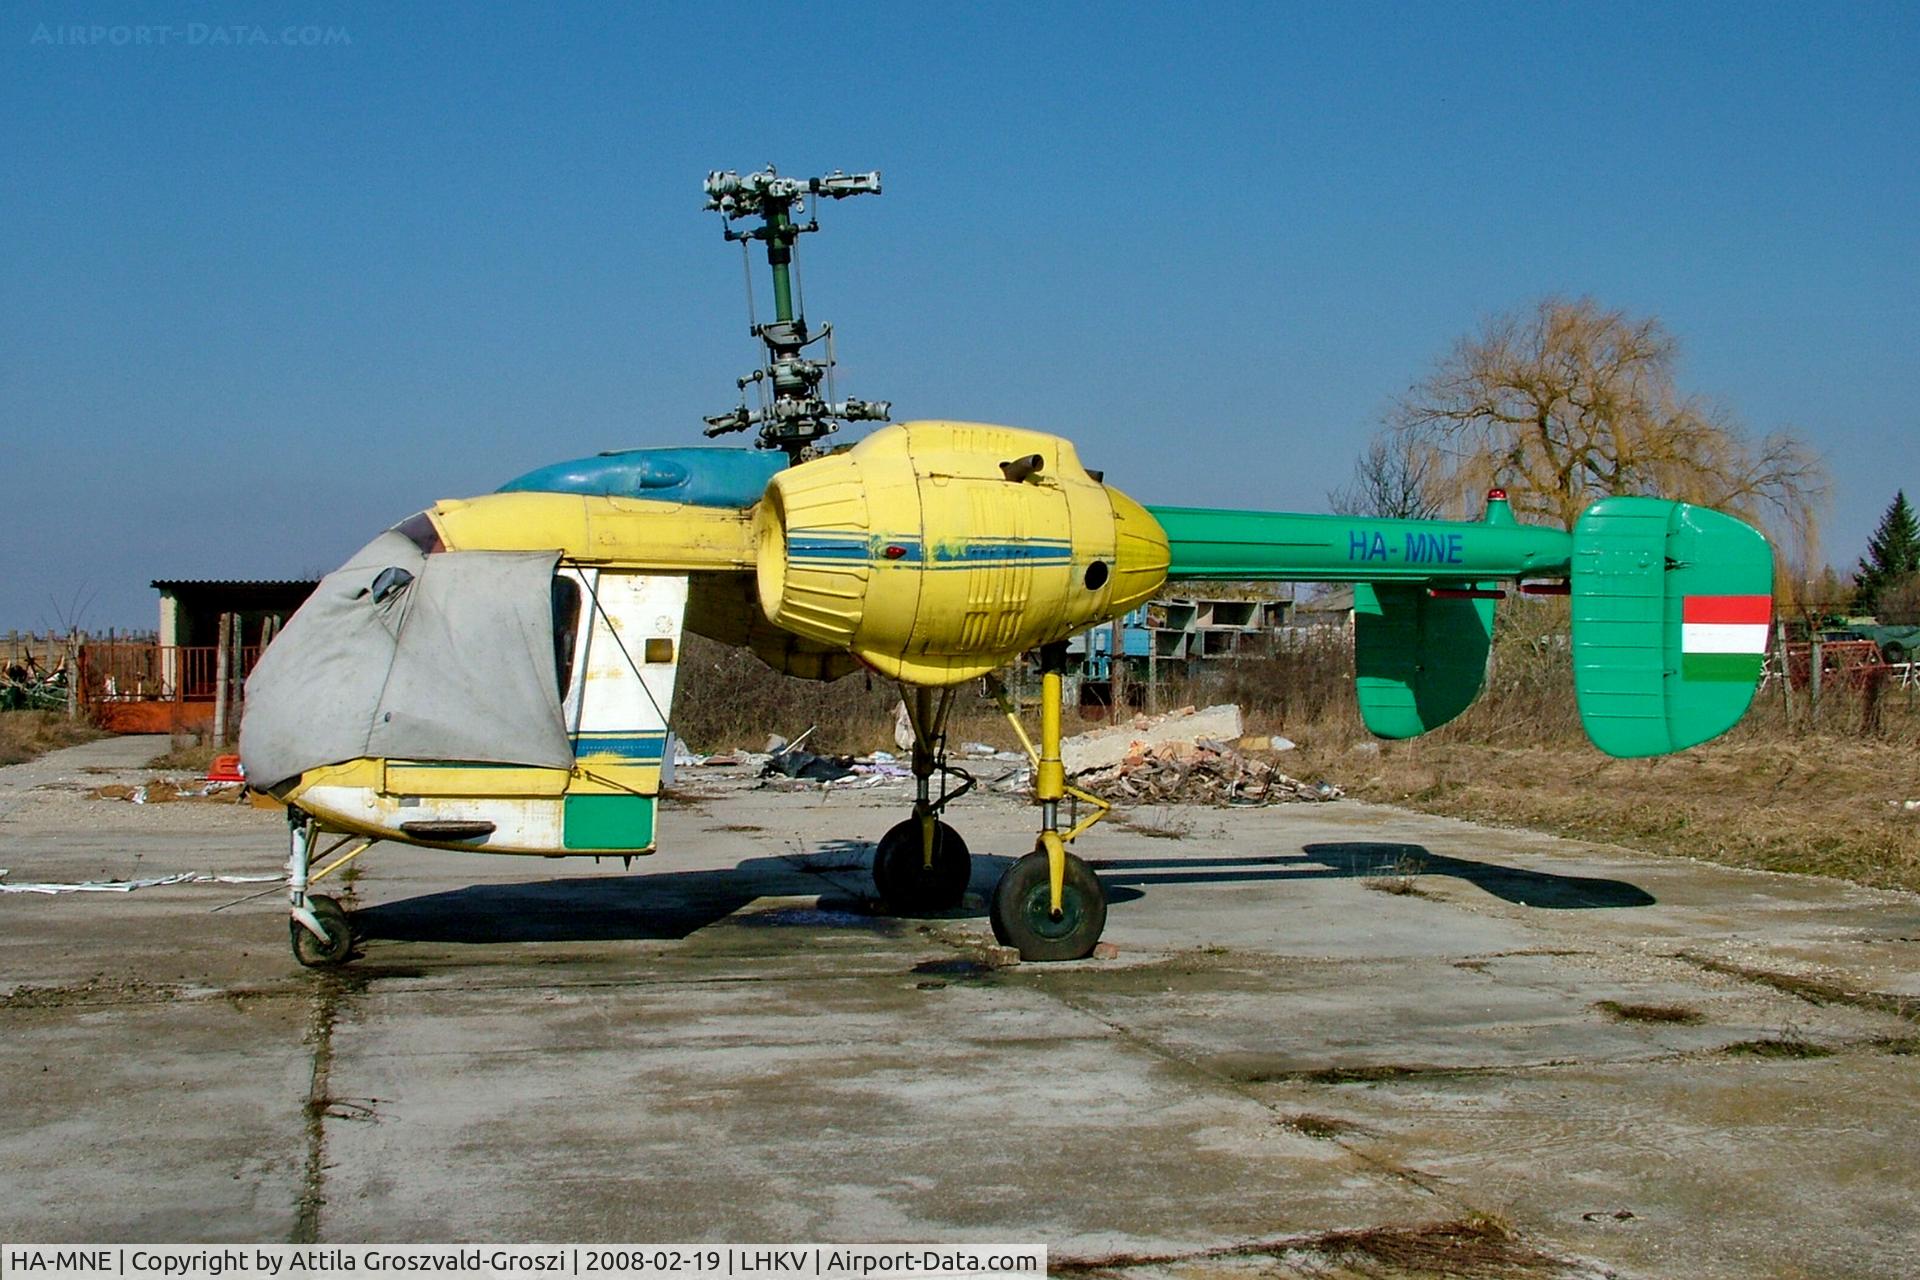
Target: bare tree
1397 477
1568 402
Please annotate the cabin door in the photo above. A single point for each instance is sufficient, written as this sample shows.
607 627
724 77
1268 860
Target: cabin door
618 698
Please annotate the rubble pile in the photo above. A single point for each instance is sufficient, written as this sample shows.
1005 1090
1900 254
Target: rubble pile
1184 757
1201 771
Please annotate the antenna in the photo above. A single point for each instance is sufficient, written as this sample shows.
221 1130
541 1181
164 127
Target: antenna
796 416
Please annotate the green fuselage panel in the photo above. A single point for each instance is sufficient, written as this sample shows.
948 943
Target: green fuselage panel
618 823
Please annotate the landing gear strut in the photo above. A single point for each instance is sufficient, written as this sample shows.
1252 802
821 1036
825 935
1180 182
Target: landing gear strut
321 934
1049 904
922 864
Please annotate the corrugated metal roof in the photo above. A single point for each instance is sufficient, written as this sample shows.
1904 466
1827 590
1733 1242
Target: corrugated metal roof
171 584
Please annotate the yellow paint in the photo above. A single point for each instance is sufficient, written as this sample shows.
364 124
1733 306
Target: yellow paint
408 778
1050 777
915 553
341 861
630 532
1056 851
613 775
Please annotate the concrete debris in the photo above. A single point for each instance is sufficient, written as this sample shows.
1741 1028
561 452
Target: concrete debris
1200 772
161 791
1105 748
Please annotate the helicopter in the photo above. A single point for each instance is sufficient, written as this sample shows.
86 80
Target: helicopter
497 674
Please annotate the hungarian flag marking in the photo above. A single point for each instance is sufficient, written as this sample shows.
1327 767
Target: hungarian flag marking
1724 637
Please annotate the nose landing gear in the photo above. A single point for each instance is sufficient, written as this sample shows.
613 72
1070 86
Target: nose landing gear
320 932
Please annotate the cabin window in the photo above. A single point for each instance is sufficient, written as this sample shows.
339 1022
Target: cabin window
566 629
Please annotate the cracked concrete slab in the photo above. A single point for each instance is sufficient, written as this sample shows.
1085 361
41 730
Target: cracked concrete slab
728 1041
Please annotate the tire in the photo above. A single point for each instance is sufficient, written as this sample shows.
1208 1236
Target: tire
312 952
904 881
1022 915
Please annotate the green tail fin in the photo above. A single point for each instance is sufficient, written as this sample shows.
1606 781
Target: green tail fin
1419 660
1671 606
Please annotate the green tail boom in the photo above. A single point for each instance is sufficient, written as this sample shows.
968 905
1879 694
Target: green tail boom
1671 607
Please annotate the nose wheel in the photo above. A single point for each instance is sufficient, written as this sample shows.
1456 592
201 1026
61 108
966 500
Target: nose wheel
313 951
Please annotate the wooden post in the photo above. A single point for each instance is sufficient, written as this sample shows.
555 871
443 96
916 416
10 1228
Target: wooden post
220 680
1813 680
1786 674
237 670
74 640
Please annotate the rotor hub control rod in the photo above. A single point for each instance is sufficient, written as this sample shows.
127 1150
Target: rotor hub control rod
797 414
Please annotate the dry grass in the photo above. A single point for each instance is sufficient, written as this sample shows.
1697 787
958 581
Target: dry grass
1165 823
1823 806
26 734
1400 877
1785 1046
189 752
1667 1013
727 698
1314 1125
1476 1245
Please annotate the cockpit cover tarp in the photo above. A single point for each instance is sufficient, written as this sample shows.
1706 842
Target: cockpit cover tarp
451 660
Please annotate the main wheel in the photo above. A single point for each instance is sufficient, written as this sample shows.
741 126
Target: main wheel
312 952
903 879
1023 917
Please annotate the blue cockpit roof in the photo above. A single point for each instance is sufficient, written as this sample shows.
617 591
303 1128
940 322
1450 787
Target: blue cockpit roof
701 477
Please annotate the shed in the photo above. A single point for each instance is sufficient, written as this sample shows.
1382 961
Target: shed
190 608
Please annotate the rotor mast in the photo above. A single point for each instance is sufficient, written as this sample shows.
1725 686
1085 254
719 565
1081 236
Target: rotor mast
796 416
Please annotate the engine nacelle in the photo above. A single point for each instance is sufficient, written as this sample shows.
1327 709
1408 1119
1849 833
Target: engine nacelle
938 551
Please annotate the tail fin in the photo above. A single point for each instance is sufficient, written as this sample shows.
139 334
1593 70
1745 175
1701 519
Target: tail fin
1418 659
1671 611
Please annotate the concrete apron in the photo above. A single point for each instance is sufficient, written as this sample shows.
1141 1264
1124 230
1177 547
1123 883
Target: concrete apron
1320 1019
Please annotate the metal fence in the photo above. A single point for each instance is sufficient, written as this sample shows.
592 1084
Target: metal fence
122 672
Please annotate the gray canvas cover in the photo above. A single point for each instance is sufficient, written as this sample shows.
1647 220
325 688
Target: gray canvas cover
454 663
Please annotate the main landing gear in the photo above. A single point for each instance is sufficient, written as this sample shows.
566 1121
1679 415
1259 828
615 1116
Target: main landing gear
922 864
1049 904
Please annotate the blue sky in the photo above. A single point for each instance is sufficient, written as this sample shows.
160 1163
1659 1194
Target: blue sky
263 297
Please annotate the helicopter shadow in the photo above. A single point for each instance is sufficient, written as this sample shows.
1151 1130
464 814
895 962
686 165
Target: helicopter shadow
1366 859
669 906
